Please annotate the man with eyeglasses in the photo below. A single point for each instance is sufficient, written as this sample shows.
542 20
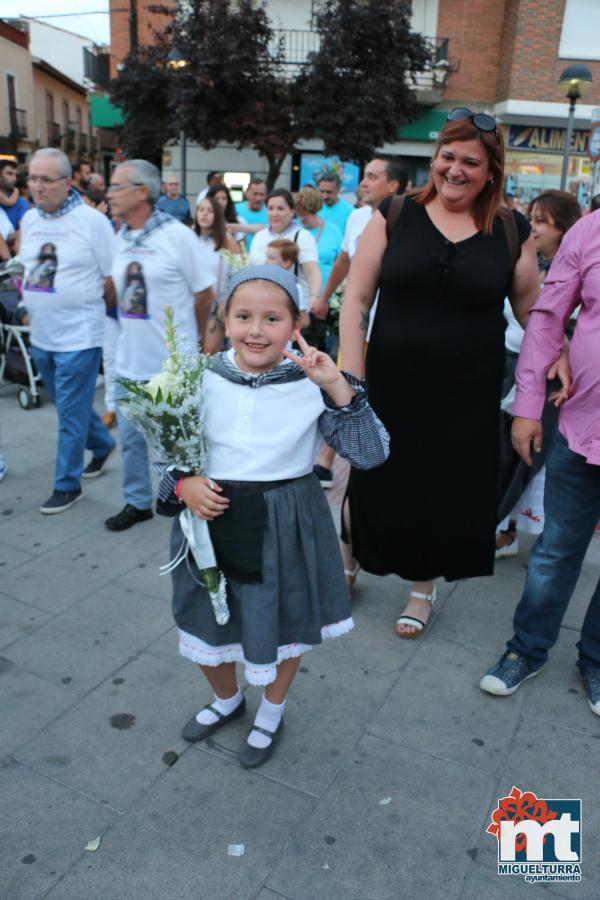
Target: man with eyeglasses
67 250
159 262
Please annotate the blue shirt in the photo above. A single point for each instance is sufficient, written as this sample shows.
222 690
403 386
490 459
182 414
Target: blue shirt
178 208
337 214
15 213
329 244
252 217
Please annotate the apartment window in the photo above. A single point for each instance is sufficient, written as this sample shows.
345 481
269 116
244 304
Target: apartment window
11 88
79 119
580 30
49 108
65 108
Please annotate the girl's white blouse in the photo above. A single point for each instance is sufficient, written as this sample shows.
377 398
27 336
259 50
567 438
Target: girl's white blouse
261 434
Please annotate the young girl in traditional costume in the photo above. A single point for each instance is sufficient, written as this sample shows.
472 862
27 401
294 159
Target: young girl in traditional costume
267 411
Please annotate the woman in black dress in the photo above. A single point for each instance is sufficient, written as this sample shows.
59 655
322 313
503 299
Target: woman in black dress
434 366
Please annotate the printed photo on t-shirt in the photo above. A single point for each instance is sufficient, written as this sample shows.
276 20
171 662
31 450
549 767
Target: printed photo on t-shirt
134 298
41 278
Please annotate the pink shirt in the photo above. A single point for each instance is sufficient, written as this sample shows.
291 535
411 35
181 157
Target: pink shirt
573 276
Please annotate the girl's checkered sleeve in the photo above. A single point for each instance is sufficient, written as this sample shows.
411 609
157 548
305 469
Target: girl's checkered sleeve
354 431
167 503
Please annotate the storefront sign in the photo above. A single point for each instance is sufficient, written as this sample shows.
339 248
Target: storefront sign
549 140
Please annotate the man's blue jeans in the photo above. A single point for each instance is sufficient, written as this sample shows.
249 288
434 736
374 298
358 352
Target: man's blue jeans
70 380
137 485
571 511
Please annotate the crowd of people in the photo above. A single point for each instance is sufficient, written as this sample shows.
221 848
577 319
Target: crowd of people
465 399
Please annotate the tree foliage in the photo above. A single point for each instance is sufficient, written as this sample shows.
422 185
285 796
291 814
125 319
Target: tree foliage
356 92
141 90
353 92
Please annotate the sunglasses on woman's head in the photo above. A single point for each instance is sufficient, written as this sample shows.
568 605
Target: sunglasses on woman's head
481 121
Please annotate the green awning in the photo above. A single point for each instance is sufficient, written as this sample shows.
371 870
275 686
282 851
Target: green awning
104 114
425 128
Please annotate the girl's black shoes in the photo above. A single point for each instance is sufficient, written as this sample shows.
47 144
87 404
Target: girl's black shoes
252 757
195 731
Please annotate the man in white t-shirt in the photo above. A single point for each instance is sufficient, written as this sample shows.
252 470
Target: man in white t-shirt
159 262
67 251
383 177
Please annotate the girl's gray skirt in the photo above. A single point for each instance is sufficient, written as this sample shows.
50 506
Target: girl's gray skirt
302 599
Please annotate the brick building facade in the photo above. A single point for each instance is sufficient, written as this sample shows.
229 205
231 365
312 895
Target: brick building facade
505 56
511 56
120 28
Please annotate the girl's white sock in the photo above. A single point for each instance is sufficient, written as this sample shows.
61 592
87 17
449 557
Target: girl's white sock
268 717
225 707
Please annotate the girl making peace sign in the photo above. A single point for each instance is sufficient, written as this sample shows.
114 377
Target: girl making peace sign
267 412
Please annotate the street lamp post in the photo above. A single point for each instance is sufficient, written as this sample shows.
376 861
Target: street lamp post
574 82
175 61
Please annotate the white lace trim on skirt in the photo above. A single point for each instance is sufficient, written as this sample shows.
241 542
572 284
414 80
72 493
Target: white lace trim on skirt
204 654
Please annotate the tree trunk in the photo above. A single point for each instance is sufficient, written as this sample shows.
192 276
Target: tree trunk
275 163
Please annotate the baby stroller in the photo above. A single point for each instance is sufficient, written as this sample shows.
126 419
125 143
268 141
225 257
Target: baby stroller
16 365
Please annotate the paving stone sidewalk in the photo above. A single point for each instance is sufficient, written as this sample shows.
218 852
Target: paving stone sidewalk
391 765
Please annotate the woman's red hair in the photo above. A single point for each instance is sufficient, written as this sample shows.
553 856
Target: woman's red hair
487 205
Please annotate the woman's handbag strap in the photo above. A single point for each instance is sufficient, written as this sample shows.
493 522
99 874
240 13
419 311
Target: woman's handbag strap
393 213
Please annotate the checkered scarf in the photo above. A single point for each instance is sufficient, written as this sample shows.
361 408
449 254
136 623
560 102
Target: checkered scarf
157 219
73 200
283 373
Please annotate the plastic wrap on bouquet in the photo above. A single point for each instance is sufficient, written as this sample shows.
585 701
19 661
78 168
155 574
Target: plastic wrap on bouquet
197 541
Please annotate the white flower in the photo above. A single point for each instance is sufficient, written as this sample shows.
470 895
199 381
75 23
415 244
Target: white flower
163 381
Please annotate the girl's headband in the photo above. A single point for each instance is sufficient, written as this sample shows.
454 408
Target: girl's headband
284 278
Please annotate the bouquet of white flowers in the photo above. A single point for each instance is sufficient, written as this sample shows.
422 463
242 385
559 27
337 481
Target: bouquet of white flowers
168 409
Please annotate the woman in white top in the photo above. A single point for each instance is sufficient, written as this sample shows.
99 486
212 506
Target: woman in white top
209 225
280 212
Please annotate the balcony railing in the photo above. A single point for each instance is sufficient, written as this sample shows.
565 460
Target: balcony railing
18 122
68 140
82 144
294 45
53 134
431 81
96 68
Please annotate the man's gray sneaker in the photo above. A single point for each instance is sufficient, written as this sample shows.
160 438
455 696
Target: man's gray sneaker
508 675
95 466
591 682
59 501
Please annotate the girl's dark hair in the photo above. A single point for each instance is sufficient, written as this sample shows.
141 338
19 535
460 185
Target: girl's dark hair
560 206
281 192
487 205
230 213
218 226
296 313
